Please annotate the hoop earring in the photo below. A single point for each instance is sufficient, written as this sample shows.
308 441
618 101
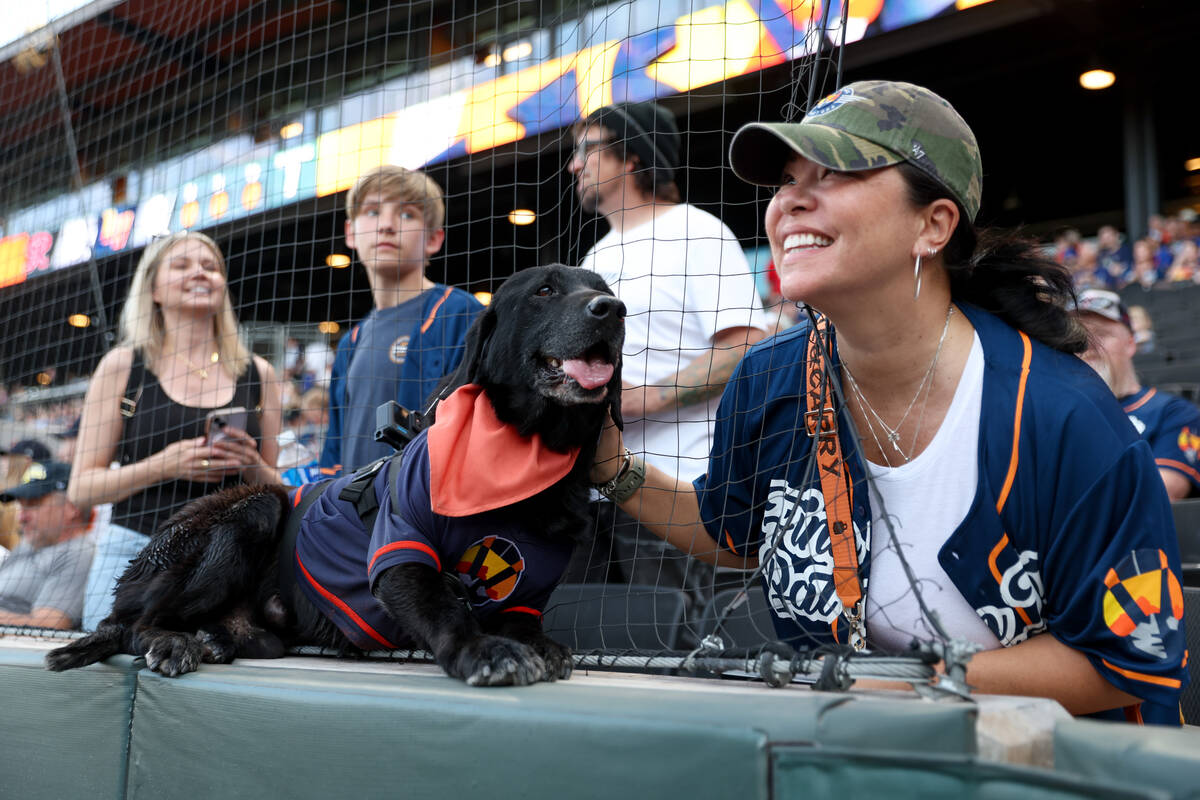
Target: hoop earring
917 278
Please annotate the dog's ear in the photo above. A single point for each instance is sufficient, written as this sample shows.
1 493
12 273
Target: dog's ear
614 396
478 340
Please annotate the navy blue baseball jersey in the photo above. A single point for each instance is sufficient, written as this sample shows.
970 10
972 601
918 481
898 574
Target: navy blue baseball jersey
1171 426
1069 531
504 566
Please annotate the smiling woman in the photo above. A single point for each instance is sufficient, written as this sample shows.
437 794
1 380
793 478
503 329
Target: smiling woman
179 358
996 481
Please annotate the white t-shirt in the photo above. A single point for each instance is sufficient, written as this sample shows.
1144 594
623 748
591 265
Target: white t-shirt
683 278
926 500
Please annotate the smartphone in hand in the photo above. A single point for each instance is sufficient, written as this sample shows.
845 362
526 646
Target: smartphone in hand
222 418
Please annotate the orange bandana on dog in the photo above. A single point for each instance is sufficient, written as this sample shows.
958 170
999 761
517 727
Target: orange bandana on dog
477 463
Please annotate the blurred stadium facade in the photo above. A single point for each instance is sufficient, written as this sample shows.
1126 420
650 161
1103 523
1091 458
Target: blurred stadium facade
247 119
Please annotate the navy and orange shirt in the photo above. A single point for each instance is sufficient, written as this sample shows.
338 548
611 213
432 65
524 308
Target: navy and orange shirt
1171 426
1070 531
503 564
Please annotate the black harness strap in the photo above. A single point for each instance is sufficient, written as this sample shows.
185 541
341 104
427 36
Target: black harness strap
287 544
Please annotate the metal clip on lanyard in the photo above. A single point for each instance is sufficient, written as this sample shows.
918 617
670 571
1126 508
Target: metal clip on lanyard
820 422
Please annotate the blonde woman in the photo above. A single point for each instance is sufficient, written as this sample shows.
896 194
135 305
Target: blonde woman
142 444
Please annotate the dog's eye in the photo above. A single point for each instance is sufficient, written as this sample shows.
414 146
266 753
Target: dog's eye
545 291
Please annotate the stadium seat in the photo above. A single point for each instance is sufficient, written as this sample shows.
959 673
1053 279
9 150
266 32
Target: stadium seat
748 623
1189 702
608 616
1187 528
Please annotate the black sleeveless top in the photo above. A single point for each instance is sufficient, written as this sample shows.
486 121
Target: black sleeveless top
158 421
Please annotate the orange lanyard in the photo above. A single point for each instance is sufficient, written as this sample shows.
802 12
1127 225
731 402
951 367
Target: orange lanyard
820 422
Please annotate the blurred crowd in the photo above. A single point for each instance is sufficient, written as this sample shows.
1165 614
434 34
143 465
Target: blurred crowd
1166 256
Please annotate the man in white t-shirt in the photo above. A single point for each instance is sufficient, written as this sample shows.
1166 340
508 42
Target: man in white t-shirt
692 305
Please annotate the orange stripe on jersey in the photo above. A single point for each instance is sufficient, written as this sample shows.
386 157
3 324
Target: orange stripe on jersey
1142 402
1133 714
424 548
296 499
345 609
1171 683
354 335
1012 463
521 610
1179 465
993 555
433 311
729 542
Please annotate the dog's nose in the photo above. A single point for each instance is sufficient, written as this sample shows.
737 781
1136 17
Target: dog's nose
603 306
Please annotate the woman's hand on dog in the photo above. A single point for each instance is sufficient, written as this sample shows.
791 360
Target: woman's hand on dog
609 452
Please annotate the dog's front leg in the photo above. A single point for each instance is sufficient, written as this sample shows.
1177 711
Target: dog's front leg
417 597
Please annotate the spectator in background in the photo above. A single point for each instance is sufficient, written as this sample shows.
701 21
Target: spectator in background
13 463
179 358
42 580
1170 424
415 332
692 310
1066 247
1145 270
1143 329
1184 268
1115 257
1086 272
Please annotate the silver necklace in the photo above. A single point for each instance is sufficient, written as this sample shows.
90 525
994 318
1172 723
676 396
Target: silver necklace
893 434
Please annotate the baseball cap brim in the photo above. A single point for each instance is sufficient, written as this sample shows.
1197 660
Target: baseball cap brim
760 150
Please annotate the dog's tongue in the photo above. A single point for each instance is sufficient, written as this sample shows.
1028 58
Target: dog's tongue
588 374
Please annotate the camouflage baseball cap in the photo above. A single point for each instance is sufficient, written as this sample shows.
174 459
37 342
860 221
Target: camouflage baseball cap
866 125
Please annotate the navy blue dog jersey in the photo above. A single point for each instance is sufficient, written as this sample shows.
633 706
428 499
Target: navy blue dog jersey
503 565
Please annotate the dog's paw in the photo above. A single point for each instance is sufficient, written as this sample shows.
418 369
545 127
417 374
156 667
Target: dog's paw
557 658
70 657
216 647
173 654
498 661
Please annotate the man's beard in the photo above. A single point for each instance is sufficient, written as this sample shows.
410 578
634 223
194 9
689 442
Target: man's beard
589 198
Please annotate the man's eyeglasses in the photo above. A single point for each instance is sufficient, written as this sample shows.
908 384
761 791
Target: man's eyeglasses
585 147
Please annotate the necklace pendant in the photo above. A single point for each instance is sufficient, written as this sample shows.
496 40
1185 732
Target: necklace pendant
894 438
203 374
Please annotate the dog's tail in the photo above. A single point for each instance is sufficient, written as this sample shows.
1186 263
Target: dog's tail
107 640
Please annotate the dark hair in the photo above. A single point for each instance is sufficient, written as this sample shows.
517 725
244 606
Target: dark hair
646 179
1004 273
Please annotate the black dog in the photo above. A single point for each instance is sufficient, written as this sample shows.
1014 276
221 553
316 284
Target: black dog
442 574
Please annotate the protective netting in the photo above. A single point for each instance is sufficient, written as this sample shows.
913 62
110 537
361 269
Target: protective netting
126 123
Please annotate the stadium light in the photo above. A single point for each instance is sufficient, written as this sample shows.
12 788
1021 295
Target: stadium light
1095 79
1192 164
521 216
291 130
517 51
484 297
44 378
79 320
492 60
328 326
337 260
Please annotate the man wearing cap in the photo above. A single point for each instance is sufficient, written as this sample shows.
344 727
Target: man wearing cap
693 307
42 580
1170 424
14 461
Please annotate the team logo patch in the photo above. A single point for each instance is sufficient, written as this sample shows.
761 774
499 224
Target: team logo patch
798 561
399 350
834 101
1189 444
1143 600
491 569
